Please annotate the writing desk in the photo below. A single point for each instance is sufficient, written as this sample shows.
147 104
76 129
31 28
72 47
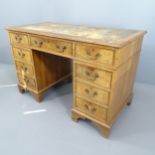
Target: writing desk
104 63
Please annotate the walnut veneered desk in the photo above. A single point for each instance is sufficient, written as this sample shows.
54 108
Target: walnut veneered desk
104 66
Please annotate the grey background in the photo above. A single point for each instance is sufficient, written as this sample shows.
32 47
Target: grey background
134 14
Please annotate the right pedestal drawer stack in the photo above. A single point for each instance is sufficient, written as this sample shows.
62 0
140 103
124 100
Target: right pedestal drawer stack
103 81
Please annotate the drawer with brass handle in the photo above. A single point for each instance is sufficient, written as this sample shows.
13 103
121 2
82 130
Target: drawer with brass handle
40 43
27 82
17 38
24 68
94 53
91 109
22 55
62 47
97 95
90 74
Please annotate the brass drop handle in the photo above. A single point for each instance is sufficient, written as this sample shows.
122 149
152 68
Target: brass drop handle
90 109
57 46
88 73
26 80
25 69
91 75
21 67
92 54
86 107
87 91
38 43
18 38
93 110
61 49
22 55
91 93
95 93
19 53
97 55
95 76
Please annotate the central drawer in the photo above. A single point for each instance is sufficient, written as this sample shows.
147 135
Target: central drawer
99 77
24 68
95 94
53 45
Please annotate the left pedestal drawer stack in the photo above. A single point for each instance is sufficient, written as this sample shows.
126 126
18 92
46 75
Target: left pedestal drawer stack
24 63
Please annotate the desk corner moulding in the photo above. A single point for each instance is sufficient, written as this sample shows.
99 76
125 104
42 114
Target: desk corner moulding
101 61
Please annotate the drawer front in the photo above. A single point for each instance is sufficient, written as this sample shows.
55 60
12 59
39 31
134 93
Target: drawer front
41 43
24 68
94 54
92 93
17 38
91 109
27 81
63 47
22 55
96 76
52 45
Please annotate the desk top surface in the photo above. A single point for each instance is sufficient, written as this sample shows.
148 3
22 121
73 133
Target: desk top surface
103 36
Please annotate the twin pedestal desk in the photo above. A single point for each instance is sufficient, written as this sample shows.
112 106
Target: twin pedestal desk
102 62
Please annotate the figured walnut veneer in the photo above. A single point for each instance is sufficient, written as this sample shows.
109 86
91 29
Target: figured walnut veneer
104 66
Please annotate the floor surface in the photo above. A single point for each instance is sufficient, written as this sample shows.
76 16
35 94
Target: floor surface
29 128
